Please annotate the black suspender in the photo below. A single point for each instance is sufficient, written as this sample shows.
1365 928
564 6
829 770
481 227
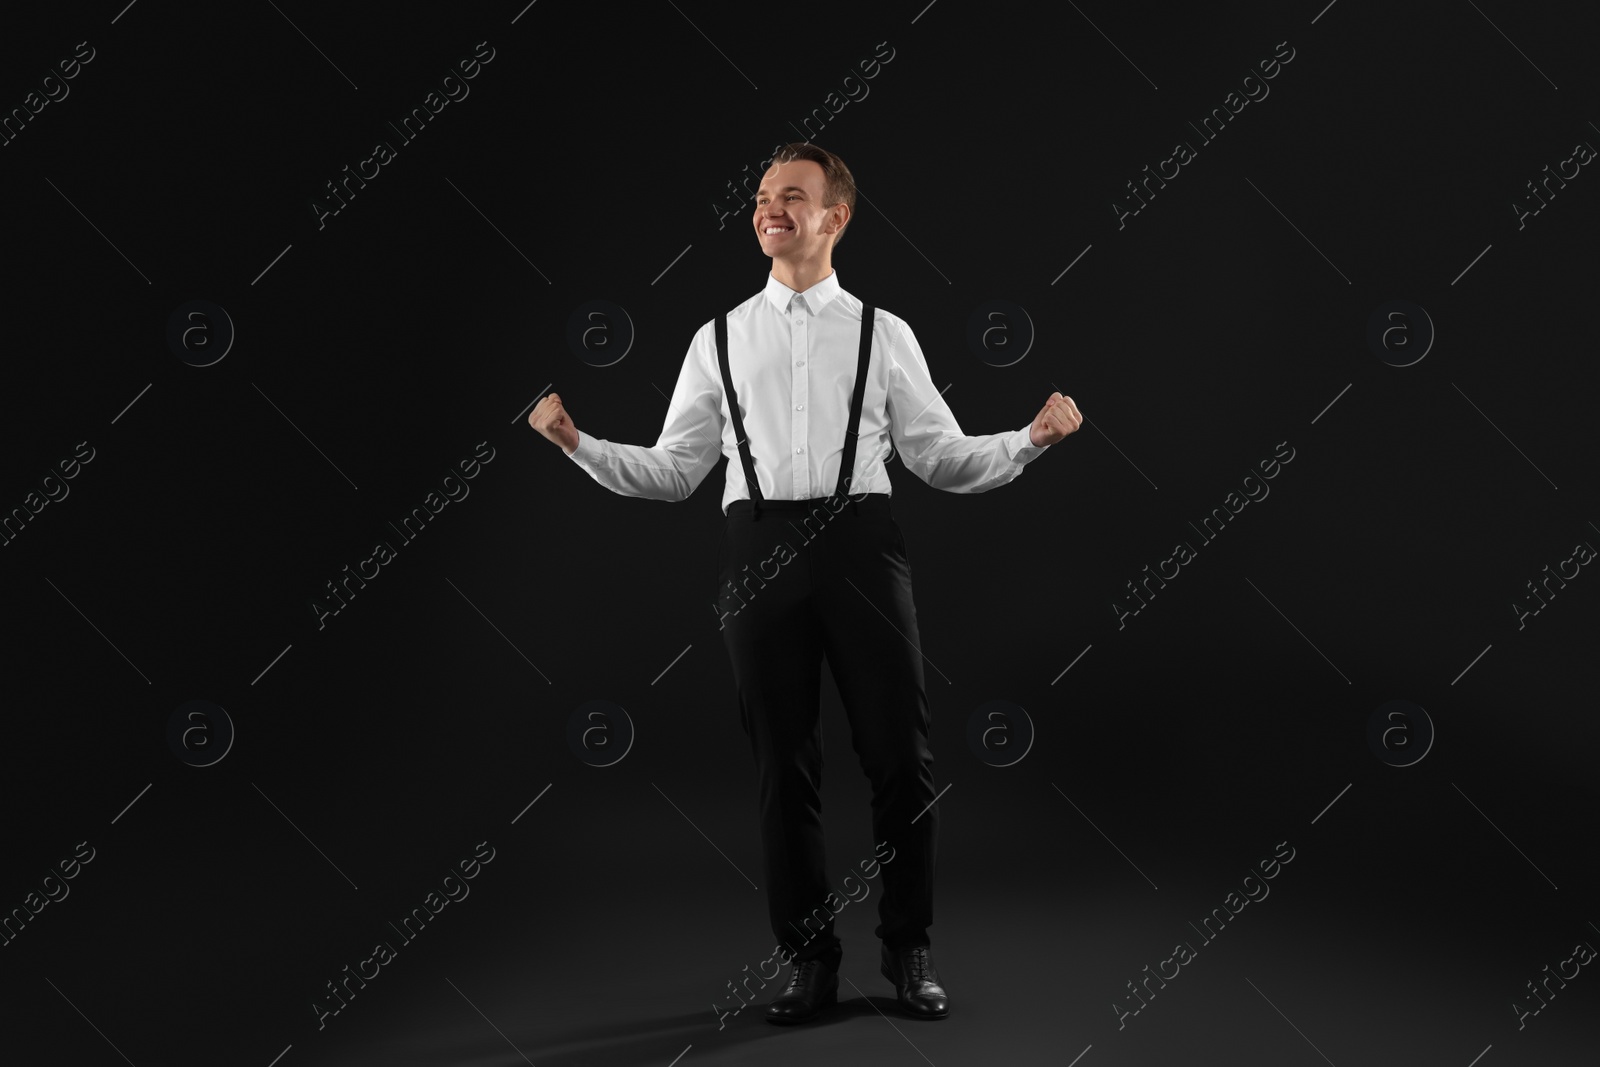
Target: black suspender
738 420
847 462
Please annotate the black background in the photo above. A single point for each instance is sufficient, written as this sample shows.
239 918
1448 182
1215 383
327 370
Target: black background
375 751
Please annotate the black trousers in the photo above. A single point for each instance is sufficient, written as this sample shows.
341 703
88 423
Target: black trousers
830 577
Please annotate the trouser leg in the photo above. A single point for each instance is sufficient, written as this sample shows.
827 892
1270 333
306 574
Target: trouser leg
771 633
870 636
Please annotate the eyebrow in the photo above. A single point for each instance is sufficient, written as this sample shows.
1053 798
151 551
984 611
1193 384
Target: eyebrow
785 189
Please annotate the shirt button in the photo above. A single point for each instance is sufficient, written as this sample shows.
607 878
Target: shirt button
799 450
799 407
799 363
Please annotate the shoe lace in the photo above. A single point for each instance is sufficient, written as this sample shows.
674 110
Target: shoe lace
917 964
801 969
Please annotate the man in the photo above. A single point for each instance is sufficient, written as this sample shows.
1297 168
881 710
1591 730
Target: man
802 391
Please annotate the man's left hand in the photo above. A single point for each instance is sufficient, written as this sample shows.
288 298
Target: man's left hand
1055 420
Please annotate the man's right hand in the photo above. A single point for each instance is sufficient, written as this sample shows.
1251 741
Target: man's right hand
552 420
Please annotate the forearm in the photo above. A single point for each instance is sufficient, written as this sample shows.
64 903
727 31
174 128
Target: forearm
649 472
960 464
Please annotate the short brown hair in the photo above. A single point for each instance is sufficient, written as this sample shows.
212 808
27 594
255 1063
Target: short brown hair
839 187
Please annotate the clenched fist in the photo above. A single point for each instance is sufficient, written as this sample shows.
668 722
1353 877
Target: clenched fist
1055 420
552 420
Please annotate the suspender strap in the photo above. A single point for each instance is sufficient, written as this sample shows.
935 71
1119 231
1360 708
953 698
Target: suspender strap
847 463
738 421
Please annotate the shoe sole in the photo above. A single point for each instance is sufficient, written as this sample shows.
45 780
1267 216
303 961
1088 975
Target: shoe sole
907 1012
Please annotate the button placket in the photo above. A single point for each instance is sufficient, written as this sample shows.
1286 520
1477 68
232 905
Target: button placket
798 388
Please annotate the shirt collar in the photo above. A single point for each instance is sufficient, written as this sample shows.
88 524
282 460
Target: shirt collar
815 298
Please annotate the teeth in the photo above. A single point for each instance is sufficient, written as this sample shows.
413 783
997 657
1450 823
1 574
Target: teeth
778 229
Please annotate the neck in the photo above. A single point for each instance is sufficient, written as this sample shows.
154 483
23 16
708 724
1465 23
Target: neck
802 276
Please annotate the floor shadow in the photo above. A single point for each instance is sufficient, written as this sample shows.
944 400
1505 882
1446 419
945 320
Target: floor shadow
629 1042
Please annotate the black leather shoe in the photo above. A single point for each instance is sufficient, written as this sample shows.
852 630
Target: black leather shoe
812 986
916 982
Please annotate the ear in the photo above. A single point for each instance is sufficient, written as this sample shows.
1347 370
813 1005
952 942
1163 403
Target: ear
841 214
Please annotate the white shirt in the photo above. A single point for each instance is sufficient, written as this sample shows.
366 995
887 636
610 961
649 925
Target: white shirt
792 357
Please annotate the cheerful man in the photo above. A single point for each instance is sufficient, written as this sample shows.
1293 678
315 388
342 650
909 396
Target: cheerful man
806 389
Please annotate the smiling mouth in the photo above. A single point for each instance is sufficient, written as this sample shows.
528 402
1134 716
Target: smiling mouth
772 230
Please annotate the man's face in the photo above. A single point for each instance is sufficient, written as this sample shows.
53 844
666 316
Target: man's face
789 203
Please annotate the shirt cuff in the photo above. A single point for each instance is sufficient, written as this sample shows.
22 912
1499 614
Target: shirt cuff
579 453
1021 446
